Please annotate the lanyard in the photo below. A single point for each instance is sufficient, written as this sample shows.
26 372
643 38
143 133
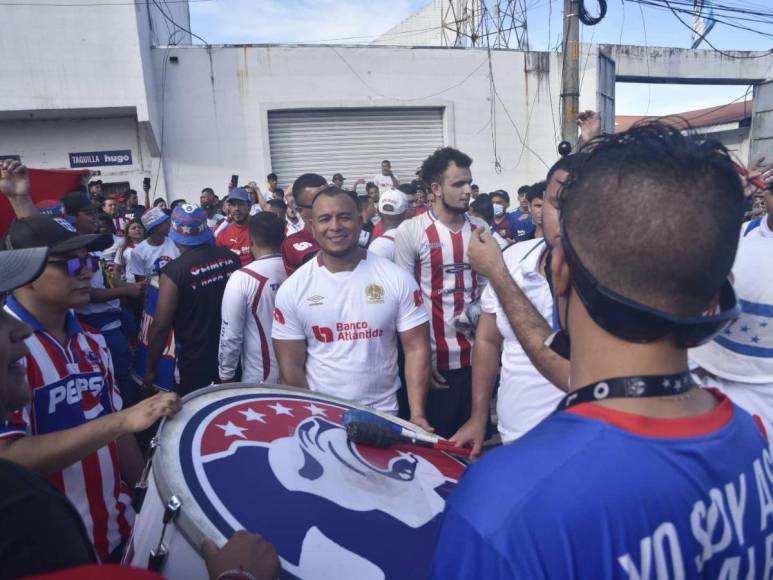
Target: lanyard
629 388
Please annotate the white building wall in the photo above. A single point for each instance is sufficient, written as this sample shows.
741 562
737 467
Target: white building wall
217 103
46 144
59 58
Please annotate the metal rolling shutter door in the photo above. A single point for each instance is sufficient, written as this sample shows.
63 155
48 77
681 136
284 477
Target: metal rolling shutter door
352 141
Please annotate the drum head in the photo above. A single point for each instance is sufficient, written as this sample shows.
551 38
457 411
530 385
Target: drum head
277 461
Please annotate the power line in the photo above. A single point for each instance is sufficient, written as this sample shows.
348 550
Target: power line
98 4
678 6
171 20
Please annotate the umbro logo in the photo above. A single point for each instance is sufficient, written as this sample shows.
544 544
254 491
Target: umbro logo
315 300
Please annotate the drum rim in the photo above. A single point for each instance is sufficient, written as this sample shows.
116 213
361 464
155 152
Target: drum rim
191 530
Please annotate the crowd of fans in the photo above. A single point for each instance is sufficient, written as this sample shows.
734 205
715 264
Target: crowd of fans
422 298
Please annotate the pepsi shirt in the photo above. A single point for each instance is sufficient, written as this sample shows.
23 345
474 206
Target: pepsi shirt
71 384
595 493
200 275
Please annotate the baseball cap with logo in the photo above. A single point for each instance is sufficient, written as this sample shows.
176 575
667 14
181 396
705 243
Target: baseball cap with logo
392 202
55 233
239 194
154 217
189 226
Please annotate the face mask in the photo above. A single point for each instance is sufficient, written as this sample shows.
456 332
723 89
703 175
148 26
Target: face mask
499 209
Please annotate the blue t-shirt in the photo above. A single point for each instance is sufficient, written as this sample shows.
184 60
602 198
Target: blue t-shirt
521 230
594 493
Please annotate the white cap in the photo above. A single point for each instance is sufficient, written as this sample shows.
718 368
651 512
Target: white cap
392 202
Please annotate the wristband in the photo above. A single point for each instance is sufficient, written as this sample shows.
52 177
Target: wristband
236 575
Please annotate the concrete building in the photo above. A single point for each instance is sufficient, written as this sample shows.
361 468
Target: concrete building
729 124
125 91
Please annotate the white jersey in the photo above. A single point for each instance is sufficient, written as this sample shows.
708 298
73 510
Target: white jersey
384 182
524 397
437 257
350 322
743 352
248 314
384 245
294 228
147 260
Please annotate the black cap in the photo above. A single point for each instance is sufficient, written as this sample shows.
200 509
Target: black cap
338 176
55 233
21 267
77 201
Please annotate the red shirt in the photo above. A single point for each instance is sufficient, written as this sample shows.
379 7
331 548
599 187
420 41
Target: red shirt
378 230
236 237
297 249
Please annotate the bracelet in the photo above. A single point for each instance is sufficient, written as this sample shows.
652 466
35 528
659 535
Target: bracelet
236 575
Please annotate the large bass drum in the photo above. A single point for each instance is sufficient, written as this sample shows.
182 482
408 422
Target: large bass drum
276 460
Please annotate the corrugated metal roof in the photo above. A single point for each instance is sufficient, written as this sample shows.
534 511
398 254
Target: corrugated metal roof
731 113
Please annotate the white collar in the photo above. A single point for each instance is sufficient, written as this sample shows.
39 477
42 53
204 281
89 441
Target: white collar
764 228
530 262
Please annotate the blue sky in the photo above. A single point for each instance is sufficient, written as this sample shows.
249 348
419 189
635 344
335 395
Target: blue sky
358 21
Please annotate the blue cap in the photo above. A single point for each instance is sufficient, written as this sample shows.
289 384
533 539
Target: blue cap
240 194
189 226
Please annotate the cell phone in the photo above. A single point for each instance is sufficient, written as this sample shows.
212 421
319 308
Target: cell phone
235 180
146 183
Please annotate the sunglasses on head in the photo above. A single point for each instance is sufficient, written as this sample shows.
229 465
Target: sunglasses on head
636 322
74 266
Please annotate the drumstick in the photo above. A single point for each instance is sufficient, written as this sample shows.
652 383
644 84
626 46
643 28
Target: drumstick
377 435
368 417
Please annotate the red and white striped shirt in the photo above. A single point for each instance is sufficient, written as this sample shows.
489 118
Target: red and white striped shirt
437 256
248 314
71 384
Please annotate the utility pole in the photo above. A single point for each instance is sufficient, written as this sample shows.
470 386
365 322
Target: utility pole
570 72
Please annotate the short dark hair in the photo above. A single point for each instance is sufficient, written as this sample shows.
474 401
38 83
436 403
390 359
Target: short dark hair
272 177
370 185
279 191
501 193
652 251
482 206
158 201
176 202
363 201
106 219
129 192
386 161
523 189
280 203
266 229
536 190
333 191
433 167
407 188
208 190
307 180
